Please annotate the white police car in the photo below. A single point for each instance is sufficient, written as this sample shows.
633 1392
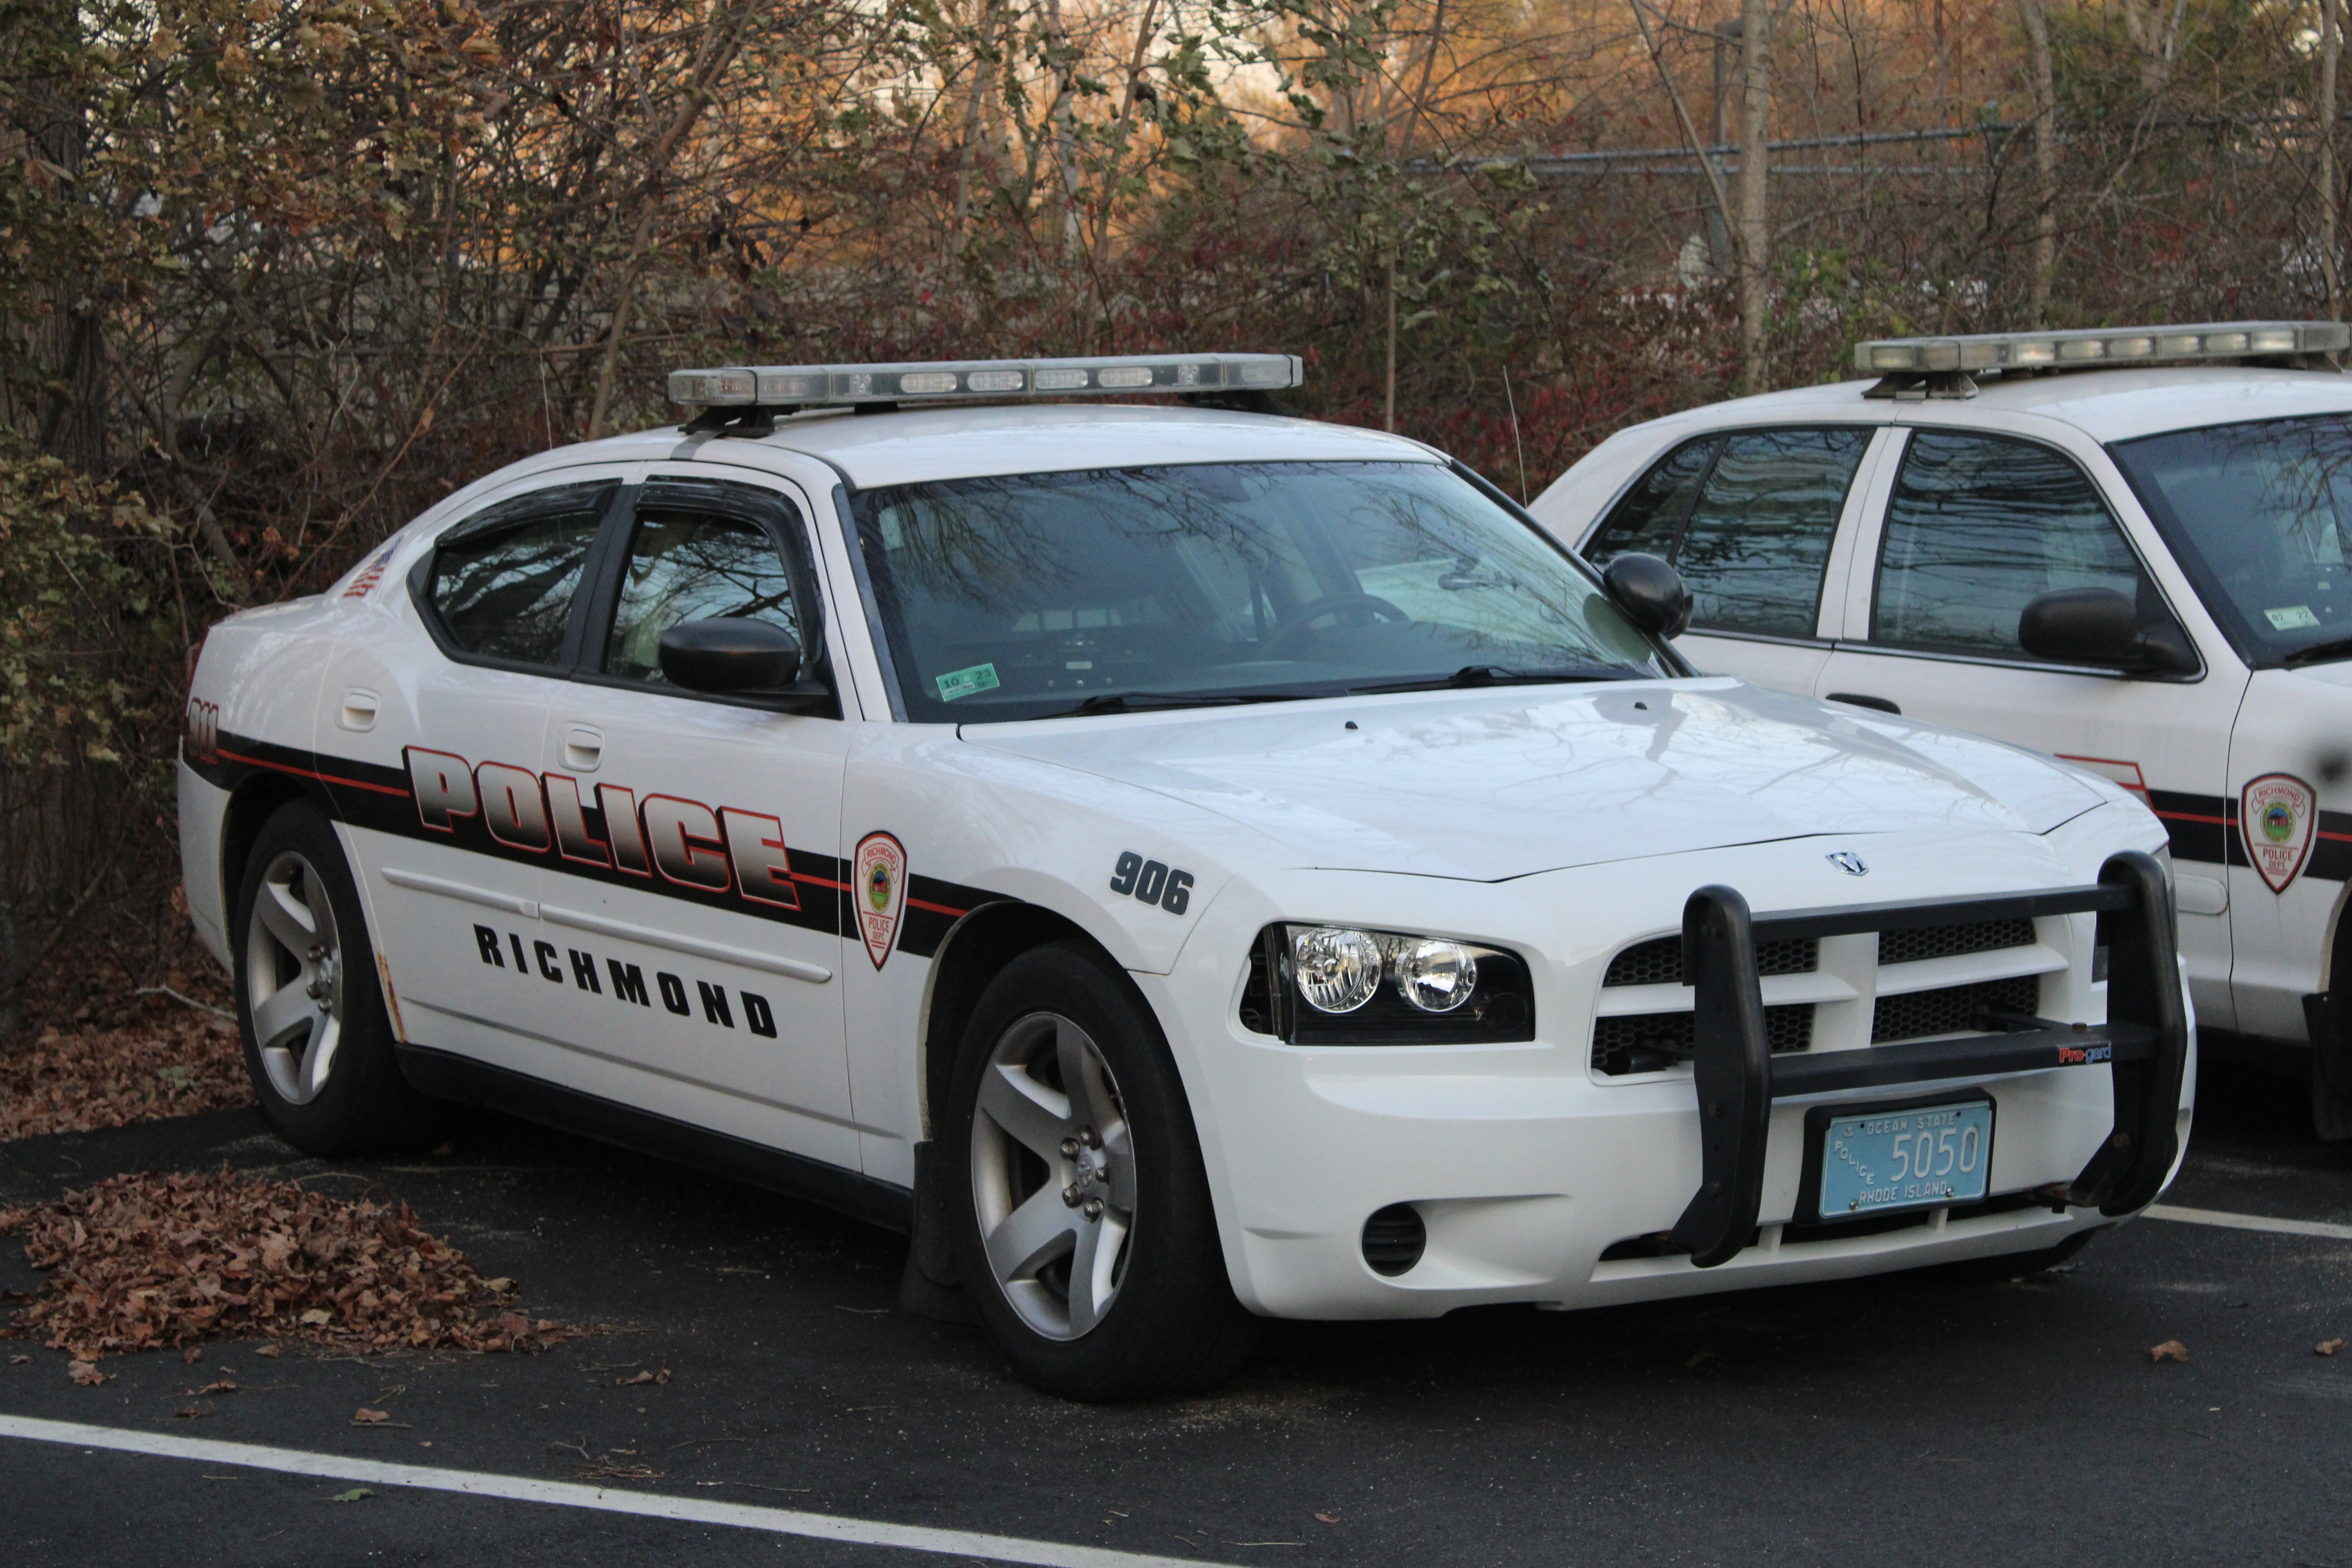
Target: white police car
2142 570
1181 864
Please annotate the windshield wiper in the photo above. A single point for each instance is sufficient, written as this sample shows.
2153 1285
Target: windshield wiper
2337 647
1148 701
1498 675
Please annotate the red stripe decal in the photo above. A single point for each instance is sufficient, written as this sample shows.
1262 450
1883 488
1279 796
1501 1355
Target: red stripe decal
936 909
2192 816
821 881
2340 837
306 773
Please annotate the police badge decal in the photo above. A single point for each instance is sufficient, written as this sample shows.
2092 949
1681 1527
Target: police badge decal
879 892
2275 816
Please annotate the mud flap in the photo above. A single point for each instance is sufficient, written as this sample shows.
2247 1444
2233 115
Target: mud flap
930 1288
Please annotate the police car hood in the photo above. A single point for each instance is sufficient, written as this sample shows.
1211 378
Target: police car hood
1490 784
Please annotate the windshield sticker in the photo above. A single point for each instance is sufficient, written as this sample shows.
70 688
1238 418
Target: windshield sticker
2292 618
2276 821
879 887
964 682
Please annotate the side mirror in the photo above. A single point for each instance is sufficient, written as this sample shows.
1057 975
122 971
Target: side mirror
1651 593
2099 625
729 655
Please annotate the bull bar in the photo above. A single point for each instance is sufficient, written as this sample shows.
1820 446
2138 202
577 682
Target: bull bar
2146 1039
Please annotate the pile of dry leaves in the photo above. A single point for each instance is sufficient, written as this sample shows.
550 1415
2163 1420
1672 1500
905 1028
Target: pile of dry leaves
145 1261
167 1064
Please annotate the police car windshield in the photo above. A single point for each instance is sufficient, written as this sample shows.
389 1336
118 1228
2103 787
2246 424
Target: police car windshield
1023 596
2258 515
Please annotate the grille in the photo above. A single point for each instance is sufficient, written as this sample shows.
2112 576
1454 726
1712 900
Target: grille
1944 942
1953 1009
1649 1042
1659 961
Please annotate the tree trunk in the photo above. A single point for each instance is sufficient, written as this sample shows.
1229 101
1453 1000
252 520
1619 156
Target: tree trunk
2331 45
2044 256
1755 223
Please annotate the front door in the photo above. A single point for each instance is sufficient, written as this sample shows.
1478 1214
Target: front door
698 952
1976 525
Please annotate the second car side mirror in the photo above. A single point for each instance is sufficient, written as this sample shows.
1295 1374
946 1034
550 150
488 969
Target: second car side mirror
2100 626
1650 592
730 653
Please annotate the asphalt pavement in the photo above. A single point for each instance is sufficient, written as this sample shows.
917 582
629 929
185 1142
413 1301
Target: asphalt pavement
1910 1420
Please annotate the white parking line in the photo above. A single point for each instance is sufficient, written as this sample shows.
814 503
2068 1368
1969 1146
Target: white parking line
570 1494
2249 1222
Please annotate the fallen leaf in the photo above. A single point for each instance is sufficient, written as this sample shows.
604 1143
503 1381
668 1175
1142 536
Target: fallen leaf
352 1496
2170 1350
188 1412
500 1286
271 1351
318 1317
192 1354
20 1361
2328 1347
648 1376
87 1373
366 1417
222 1387
1329 1518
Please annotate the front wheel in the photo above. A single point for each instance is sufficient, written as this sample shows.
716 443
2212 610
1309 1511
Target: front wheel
1082 1223
317 1045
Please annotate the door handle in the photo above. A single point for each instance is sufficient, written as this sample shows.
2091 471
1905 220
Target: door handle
1857 699
582 748
358 712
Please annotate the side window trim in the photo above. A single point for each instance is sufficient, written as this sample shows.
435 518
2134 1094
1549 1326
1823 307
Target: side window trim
1871 477
773 510
420 573
1873 537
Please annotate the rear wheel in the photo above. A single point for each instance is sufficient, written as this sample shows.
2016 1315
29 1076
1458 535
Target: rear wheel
317 1045
1083 1228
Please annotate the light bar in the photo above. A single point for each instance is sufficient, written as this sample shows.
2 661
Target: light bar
810 385
2107 345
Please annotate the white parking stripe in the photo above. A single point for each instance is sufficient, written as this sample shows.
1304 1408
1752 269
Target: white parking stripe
571 1494
2249 1222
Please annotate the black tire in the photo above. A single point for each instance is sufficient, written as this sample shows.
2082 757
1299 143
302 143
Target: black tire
363 1106
1172 1326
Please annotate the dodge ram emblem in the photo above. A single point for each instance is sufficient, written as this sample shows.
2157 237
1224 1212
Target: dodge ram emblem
1847 861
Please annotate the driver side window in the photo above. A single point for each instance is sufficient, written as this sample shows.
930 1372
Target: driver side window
698 551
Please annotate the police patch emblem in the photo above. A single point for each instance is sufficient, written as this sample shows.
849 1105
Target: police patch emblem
879 892
2275 817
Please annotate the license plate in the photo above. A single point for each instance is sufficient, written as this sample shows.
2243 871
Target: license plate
1905 1157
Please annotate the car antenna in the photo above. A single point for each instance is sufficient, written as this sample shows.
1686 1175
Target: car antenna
1513 404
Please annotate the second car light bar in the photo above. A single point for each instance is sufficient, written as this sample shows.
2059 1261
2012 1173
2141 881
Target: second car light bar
2100 346
837 385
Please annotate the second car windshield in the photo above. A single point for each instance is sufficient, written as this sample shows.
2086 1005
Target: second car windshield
2258 515
1032 595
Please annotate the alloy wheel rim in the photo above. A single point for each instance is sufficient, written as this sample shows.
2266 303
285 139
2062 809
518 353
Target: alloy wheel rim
1053 1175
294 978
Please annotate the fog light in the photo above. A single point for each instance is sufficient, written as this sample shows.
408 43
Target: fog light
1394 1240
1337 969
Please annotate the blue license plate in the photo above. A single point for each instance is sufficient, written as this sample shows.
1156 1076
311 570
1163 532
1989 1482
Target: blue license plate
1919 1156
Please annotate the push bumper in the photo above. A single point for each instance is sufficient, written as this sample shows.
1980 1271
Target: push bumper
2146 1038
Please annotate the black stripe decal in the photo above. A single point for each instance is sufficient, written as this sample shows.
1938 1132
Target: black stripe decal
367 794
2205 828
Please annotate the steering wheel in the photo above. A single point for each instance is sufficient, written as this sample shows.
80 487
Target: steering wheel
1315 609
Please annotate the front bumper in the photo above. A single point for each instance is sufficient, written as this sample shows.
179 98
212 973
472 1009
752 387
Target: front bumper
1540 1181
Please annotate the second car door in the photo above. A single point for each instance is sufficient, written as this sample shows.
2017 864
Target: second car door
1974 525
708 917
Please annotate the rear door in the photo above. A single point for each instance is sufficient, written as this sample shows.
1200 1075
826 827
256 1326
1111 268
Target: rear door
1751 518
1972 525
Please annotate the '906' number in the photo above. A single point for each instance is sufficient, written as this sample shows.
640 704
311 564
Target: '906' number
1152 883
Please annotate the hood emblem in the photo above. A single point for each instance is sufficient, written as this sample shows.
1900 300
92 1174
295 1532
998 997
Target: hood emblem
1847 861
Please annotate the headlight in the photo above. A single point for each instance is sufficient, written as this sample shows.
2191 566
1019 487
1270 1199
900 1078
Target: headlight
1343 985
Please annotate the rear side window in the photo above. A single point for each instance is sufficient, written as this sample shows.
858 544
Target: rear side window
1749 520
1978 527
502 583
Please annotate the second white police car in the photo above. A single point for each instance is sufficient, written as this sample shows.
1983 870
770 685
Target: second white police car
1180 863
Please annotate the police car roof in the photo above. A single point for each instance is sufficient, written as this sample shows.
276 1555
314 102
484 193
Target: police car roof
2107 404
908 445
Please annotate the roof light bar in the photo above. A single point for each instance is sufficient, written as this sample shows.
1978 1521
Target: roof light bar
824 385
2115 345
